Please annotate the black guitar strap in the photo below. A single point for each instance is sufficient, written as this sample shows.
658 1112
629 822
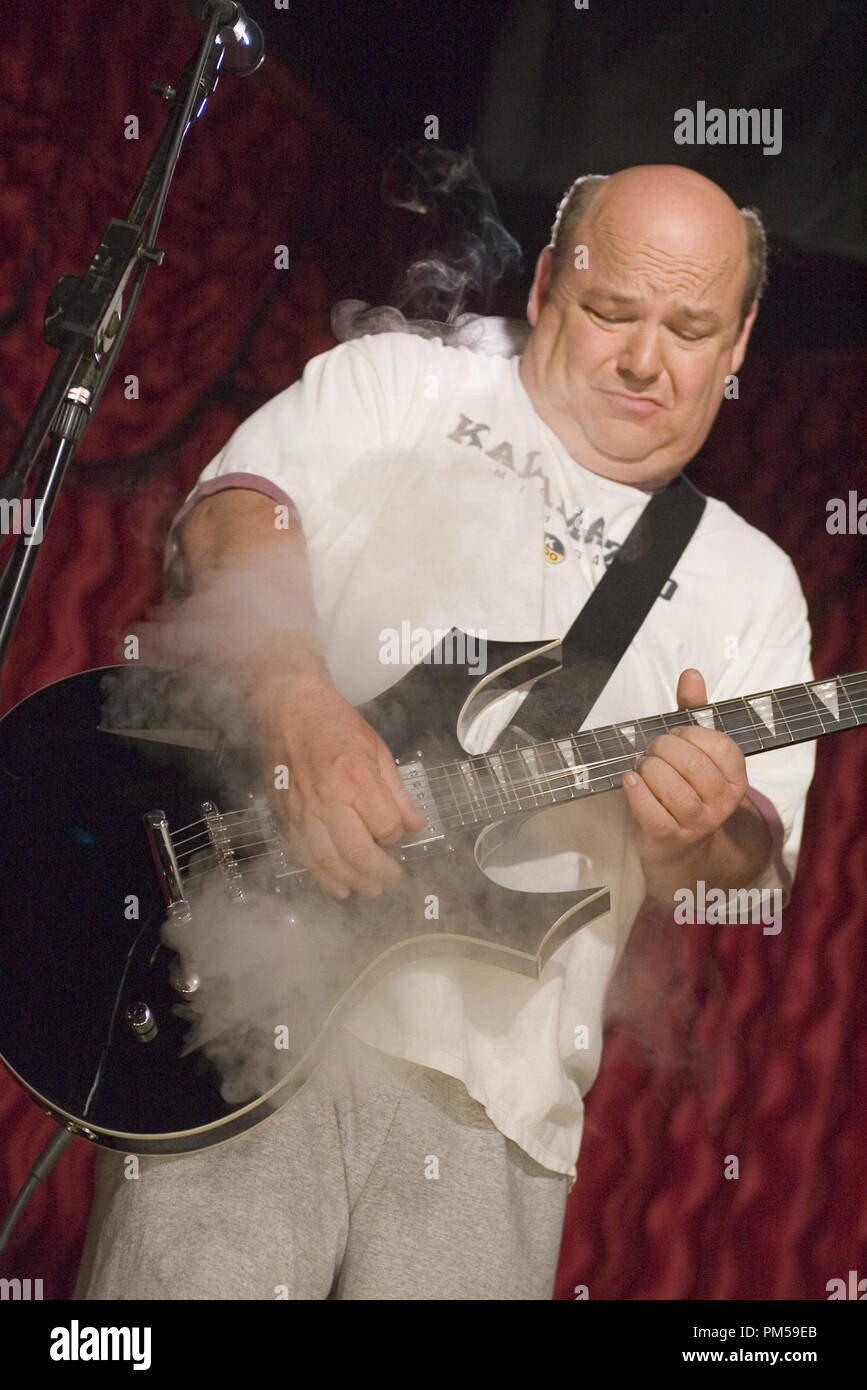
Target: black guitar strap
609 620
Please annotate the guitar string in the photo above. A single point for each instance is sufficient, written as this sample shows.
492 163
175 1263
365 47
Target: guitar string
247 858
795 722
542 786
275 848
205 870
564 775
482 760
681 716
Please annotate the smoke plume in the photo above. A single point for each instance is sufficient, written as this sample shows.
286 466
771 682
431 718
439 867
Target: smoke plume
471 251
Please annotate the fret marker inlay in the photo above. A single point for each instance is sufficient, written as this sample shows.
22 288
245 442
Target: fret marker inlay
827 693
580 776
764 708
529 756
703 717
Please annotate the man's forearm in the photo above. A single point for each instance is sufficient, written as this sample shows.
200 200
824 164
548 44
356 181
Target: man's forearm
730 858
247 604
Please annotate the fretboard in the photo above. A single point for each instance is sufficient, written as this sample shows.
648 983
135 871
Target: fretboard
473 790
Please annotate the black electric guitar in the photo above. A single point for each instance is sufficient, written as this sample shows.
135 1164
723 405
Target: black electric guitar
128 825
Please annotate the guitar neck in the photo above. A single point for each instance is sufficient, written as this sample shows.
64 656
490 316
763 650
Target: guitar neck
482 788
476 790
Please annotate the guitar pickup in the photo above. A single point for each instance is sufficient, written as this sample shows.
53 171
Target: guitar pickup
415 780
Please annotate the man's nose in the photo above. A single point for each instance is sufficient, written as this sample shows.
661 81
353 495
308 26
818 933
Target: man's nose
639 356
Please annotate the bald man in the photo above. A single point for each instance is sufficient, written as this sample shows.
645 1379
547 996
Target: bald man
430 1154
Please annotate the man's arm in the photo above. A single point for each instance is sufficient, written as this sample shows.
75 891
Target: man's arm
248 591
236 528
693 817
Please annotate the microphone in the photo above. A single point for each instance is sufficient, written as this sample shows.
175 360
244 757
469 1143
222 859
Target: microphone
228 10
239 35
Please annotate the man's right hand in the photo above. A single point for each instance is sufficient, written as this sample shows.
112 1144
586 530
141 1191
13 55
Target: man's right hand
250 611
345 798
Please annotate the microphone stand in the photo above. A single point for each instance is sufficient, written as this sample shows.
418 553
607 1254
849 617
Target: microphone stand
86 321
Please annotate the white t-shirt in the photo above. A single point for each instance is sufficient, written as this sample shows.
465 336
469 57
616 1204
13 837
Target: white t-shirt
432 493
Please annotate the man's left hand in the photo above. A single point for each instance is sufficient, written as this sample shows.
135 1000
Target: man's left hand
686 786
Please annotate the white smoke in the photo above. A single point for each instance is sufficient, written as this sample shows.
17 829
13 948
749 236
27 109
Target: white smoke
272 967
472 251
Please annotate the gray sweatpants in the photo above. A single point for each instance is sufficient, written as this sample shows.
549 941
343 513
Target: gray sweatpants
379 1180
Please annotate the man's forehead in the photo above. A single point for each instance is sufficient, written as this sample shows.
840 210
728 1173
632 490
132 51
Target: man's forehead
665 245
677 267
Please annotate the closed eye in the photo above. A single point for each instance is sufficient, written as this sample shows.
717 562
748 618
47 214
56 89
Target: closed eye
678 332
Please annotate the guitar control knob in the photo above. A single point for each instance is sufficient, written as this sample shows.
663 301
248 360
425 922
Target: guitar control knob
142 1022
184 982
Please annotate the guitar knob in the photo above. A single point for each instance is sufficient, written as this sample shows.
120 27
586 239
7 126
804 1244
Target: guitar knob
184 982
142 1022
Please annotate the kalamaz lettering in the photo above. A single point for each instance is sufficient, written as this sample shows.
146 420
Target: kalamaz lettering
77 1343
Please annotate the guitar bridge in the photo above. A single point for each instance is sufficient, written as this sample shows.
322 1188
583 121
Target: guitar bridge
221 843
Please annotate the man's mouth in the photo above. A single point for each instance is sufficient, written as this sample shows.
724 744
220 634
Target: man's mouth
633 405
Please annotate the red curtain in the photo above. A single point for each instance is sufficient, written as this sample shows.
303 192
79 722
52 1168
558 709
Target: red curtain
774 1068
219 329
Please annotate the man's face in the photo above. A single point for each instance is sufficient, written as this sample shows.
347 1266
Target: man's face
629 357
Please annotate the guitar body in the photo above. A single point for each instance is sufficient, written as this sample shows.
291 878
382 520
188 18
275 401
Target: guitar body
83 904
169 978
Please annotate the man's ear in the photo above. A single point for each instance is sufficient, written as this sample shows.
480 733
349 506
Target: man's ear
740 347
540 286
